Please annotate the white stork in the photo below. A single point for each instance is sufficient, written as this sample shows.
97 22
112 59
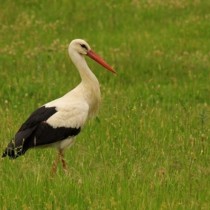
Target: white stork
58 122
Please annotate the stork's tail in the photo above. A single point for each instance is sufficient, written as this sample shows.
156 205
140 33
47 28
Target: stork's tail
13 150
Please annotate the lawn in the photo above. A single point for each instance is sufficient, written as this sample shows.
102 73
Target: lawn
149 147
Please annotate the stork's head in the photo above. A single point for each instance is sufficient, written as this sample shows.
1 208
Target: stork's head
82 47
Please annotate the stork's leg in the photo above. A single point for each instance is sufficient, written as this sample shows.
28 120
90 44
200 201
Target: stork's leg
63 160
55 164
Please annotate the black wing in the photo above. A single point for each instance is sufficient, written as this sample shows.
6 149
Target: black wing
15 147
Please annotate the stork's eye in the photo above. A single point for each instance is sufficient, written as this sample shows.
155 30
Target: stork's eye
84 46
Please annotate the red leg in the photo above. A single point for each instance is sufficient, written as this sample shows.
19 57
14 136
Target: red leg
63 160
55 164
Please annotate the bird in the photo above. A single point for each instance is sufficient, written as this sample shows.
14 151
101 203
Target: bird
58 122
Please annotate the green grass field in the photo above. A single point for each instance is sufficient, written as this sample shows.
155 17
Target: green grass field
149 148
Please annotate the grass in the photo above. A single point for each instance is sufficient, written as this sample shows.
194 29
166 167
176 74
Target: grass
149 146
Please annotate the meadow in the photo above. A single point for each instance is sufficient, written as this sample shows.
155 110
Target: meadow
149 147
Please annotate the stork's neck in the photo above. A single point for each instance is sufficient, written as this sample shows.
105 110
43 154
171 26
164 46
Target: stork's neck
89 87
86 74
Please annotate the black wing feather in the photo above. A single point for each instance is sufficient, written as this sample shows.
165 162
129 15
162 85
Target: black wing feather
40 115
16 146
46 134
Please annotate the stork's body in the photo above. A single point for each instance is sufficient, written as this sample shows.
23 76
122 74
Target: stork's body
57 123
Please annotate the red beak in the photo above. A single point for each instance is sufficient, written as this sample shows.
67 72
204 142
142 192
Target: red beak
99 60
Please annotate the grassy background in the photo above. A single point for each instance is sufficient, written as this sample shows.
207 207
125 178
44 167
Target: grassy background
149 147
